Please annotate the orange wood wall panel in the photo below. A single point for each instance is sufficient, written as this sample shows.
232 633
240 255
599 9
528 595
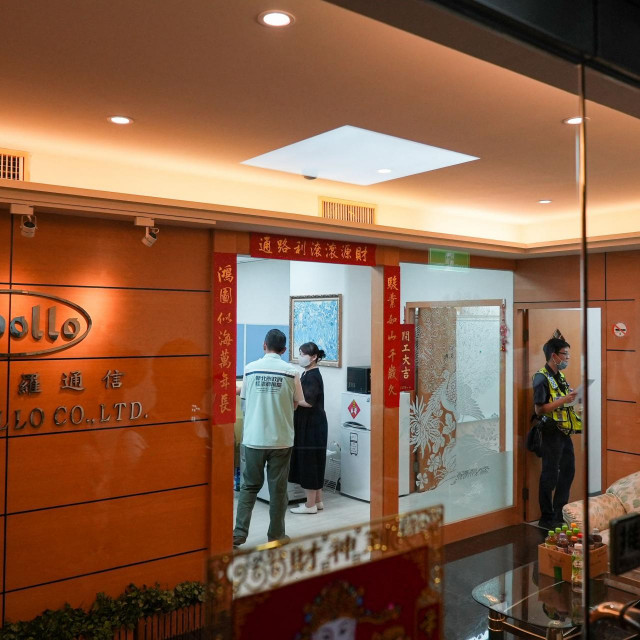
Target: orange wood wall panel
5 244
4 369
105 463
623 426
557 279
54 544
627 313
596 285
547 279
3 452
622 375
68 250
4 312
169 389
623 275
2 540
124 322
81 592
620 465
151 316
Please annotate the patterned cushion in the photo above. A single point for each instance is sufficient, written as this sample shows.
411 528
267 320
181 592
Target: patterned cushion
602 509
627 490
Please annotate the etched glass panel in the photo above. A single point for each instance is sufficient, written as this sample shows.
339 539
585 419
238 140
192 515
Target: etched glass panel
460 446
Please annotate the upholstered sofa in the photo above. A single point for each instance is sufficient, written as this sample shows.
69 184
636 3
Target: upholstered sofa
623 496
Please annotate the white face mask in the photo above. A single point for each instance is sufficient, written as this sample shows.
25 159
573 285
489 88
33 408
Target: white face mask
562 364
304 360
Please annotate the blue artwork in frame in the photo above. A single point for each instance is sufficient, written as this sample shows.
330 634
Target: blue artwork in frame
316 319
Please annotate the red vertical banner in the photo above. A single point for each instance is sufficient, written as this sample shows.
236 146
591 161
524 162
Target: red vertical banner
392 359
224 337
408 357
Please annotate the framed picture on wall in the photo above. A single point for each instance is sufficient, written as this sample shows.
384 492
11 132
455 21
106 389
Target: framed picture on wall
316 319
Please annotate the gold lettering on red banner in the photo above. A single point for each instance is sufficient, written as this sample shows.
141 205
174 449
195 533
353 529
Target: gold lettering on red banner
224 333
408 355
392 346
311 249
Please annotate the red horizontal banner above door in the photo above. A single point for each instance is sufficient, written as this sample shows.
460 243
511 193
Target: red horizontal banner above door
277 247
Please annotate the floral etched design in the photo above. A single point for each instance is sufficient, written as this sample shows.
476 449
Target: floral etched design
447 396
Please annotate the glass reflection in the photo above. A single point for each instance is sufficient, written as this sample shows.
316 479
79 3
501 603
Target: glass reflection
612 205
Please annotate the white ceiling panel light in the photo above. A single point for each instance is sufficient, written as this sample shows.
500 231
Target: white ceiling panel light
354 155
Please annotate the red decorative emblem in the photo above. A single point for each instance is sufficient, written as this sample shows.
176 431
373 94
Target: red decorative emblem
354 409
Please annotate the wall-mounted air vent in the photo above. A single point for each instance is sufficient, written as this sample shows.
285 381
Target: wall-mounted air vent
347 211
14 165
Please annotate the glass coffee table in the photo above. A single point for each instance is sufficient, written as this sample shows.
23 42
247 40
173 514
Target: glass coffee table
533 605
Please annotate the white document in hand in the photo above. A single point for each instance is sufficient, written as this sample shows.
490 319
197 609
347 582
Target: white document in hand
579 399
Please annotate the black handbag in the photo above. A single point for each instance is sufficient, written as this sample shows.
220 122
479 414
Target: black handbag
539 425
533 441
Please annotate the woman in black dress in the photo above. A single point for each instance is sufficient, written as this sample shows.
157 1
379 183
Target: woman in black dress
310 423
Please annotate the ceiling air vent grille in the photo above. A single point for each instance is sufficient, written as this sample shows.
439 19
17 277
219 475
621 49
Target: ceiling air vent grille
14 165
347 211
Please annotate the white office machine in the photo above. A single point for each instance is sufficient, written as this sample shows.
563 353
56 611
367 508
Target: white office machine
355 442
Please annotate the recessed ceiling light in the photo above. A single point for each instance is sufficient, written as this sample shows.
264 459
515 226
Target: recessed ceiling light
544 201
384 170
120 120
275 18
574 120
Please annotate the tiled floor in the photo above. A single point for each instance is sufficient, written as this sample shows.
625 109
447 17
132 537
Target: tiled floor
339 511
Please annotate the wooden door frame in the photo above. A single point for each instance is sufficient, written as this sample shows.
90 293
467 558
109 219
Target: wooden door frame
520 383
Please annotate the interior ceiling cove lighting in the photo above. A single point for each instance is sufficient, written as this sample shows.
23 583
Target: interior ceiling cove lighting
354 155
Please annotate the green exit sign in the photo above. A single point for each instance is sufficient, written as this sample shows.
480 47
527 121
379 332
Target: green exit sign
444 258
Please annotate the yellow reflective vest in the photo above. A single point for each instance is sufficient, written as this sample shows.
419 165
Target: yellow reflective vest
566 417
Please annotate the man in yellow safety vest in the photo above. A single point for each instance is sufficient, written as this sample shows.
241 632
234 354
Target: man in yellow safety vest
553 401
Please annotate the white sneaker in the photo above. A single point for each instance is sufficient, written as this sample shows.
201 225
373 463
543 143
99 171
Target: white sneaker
302 508
320 505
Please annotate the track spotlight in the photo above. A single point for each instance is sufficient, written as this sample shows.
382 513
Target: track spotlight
28 226
150 236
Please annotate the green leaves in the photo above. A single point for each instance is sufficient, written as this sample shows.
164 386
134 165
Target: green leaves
107 614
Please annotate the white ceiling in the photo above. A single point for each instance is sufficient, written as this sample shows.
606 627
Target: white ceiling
209 87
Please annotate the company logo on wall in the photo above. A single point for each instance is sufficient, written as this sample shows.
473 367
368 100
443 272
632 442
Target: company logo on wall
39 323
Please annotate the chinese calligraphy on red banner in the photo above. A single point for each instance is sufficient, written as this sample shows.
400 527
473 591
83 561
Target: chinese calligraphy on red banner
408 355
392 347
224 338
295 248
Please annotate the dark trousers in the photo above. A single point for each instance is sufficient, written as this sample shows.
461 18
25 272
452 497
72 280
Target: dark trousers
277 462
558 470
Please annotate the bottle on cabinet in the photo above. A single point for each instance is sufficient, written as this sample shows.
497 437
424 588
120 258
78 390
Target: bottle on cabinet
577 563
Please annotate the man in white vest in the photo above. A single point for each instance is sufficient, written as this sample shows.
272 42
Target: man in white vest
271 391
